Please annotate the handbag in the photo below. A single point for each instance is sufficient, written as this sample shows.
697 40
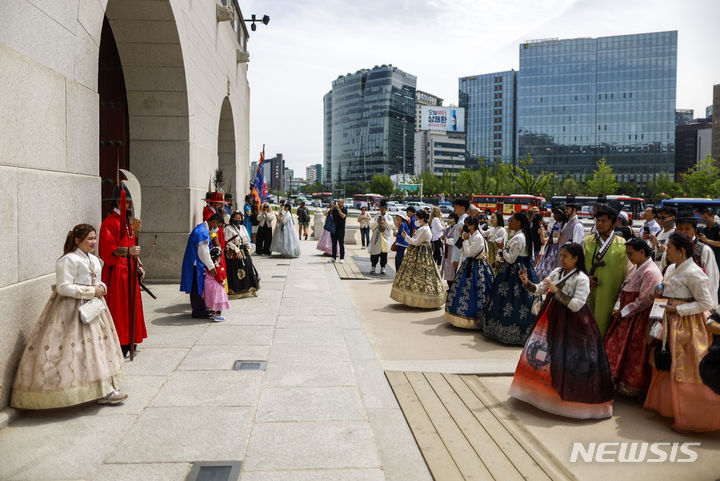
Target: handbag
329 224
91 310
394 247
662 356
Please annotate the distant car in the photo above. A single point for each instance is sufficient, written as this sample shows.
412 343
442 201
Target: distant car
445 207
393 206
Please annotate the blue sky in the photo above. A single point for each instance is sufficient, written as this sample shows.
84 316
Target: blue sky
308 44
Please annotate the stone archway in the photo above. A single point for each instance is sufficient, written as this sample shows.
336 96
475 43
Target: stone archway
158 134
226 152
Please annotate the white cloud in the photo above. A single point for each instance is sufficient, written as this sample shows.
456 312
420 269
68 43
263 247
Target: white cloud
308 44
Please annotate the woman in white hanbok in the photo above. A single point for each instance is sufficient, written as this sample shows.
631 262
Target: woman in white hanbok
285 239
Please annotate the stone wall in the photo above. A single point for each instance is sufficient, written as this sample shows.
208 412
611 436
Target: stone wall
179 66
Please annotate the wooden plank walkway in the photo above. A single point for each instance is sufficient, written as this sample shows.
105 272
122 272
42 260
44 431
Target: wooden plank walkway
465 433
349 270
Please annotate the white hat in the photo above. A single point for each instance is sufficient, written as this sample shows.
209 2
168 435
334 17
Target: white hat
623 215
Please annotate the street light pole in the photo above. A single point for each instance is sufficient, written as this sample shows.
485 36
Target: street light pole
404 121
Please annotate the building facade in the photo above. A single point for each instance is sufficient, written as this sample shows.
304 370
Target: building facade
583 99
692 144
716 123
159 88
368 125
442 153
684 116
277 173
313 173
424 98
490 108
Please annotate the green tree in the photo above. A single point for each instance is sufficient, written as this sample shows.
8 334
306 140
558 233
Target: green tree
665 188
432 184
310 188
703 179
602 180
528 182
628 188
381 184
501 175
570 186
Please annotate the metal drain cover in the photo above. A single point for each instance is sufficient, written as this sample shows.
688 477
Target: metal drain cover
249 366
215 471
279 277
283 264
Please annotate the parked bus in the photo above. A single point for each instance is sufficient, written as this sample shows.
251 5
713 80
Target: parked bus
323 198
697 204
632 206
508 204
369 200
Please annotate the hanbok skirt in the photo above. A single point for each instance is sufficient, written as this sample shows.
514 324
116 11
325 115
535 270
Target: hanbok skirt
417 282
563 368
325 243
680 392
509 318
627 350
285 241
448 271
469 294
492 256
549 261
65 361
243 279
214 294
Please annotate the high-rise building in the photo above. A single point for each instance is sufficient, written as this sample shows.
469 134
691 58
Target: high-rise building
313 173
289 175
277 173
716 123
692 144
369 125
684 116
424 98
489 102
583 99
440 152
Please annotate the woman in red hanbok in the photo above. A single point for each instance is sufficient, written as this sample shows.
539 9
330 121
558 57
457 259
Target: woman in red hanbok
626 341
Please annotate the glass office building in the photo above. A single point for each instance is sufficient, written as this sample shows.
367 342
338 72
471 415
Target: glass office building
369 125
583 99
489 102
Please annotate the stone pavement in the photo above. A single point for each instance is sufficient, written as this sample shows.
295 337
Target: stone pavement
322 410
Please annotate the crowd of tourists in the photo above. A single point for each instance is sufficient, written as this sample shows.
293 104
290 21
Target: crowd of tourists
615 311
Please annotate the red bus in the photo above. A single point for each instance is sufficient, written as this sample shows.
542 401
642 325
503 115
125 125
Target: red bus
508 204
369 200
632 206
324 198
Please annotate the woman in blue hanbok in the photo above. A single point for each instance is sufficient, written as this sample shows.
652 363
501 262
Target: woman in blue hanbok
550 259
469 293
509 318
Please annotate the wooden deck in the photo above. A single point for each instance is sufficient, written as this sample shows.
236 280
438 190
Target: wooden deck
348 270
465 433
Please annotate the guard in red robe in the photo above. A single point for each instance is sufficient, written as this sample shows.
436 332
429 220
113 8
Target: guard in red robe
115 245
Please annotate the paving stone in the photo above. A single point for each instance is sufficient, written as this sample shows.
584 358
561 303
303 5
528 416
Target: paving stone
313 335
154 361
222 335
285 322
308 309
60 444
214 388
185 434
143 472
218 358
240 318
316 352
358 344
286 446
298 373
316 475
173 335
310 404
140 391
374 387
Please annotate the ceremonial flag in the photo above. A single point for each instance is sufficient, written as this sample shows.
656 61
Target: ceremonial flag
258 192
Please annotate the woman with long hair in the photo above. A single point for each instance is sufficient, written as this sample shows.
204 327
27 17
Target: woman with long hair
469 293
496 236
509 318
677 390
626 338
437 227
563 368
550 257
418 281
66 360
243 279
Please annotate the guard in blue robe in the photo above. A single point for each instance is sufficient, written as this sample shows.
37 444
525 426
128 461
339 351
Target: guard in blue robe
193 269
